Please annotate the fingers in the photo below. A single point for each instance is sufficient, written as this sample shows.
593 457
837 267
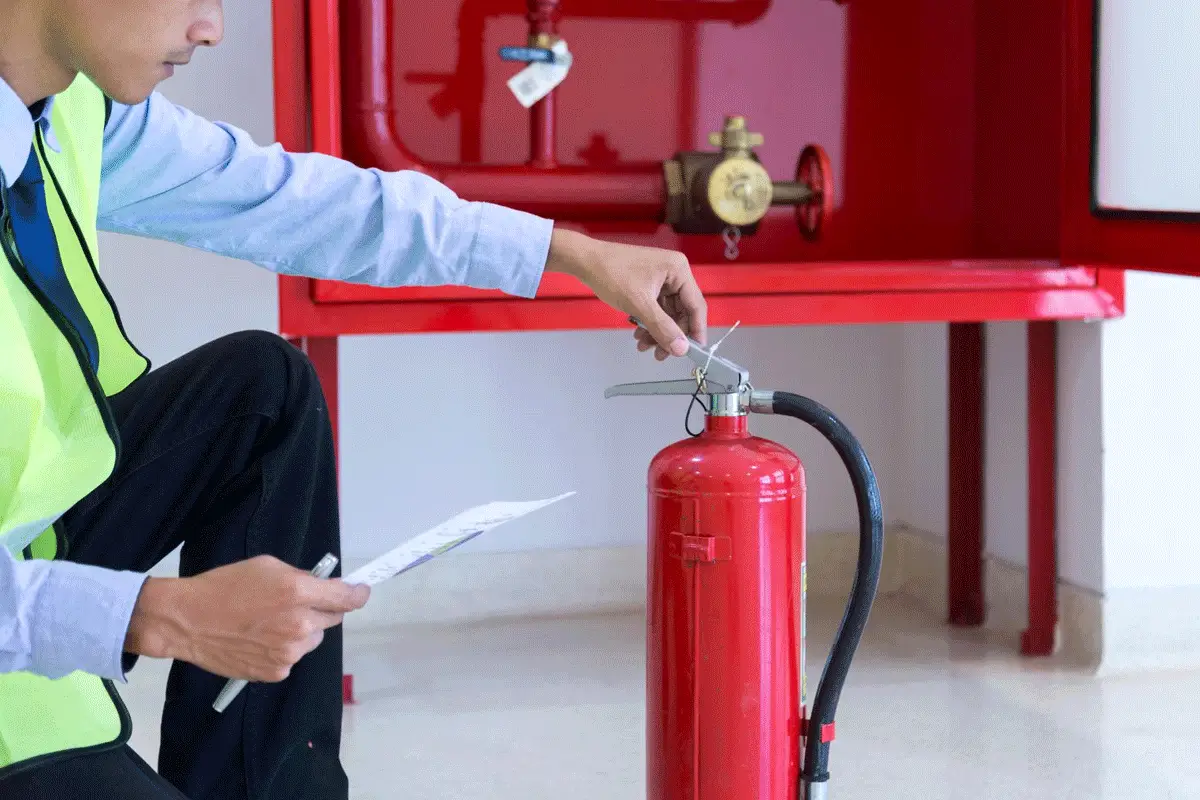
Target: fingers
334 596
281 660
664 330
684 301
646 342
327 619
313 642
679 301
694 309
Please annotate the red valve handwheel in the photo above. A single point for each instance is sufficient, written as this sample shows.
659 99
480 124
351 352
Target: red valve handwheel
814 171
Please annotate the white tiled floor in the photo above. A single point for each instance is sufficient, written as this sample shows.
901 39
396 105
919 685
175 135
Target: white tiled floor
551 709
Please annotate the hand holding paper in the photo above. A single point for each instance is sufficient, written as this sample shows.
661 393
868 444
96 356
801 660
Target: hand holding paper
417 550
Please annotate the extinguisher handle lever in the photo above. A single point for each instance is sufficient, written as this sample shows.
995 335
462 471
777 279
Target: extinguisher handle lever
720 374
682 387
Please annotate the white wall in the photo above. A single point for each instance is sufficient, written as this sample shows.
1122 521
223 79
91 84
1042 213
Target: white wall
1151 429
500 426
1081 455
920 455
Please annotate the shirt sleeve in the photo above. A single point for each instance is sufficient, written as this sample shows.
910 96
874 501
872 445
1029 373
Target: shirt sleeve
171 174
57 617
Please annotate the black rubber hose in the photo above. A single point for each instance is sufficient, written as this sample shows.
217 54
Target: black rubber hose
866 578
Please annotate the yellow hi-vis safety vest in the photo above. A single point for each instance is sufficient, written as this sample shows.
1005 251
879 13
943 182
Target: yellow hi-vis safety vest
58 440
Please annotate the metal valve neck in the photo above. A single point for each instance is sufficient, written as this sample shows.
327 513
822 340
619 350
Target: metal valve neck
727 405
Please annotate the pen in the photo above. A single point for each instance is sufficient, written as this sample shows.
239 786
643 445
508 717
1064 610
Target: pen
323 569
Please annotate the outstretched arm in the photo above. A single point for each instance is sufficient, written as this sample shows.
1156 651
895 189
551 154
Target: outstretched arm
171 174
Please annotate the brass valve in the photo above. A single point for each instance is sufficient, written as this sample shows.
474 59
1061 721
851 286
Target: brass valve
738 188
734 139
713 192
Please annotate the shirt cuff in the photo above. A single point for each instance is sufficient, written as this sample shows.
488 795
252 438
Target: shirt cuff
81 618
510 250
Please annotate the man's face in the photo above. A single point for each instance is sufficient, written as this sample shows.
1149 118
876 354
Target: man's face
128 46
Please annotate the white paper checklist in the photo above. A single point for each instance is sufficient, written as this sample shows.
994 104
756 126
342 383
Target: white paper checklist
450 534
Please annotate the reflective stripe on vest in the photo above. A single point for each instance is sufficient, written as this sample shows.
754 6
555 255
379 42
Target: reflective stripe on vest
59 439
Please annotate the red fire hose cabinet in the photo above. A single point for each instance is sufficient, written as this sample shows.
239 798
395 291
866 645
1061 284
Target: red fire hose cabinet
819 162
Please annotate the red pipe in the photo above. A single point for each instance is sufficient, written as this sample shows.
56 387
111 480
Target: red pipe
326 79
288 62
636 193
542 22
734 12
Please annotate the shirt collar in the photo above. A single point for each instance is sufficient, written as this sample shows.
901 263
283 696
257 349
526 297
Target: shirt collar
16 132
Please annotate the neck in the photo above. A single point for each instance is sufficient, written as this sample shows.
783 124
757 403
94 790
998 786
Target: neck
27 63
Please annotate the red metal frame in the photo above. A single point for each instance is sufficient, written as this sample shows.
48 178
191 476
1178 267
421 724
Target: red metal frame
759 294
933 226
1039 637
1155 243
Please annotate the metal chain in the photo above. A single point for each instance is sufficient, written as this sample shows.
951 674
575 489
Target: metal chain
731 236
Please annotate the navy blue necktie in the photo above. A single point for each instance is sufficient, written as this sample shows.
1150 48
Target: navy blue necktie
39 251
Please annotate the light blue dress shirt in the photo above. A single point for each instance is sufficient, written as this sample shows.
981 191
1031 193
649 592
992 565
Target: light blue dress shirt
170 174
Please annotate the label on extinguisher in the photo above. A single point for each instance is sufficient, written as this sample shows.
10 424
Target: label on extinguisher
539 79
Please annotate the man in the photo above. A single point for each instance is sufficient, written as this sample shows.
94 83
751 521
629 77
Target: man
105 467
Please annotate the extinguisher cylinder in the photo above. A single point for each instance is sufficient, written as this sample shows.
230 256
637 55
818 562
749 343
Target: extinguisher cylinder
725 571
866 579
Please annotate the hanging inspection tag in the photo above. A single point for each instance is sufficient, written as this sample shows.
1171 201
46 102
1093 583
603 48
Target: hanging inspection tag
538 80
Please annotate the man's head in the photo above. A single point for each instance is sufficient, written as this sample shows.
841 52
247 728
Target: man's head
128 46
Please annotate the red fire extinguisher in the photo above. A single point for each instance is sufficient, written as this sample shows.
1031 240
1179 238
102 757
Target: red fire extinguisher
727 714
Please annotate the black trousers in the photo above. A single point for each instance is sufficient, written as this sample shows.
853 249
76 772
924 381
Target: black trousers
229 451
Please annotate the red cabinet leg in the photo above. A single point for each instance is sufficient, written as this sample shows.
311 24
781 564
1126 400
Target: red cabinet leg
965 474
1038 638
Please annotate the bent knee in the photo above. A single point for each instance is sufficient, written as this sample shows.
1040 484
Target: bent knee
271 372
